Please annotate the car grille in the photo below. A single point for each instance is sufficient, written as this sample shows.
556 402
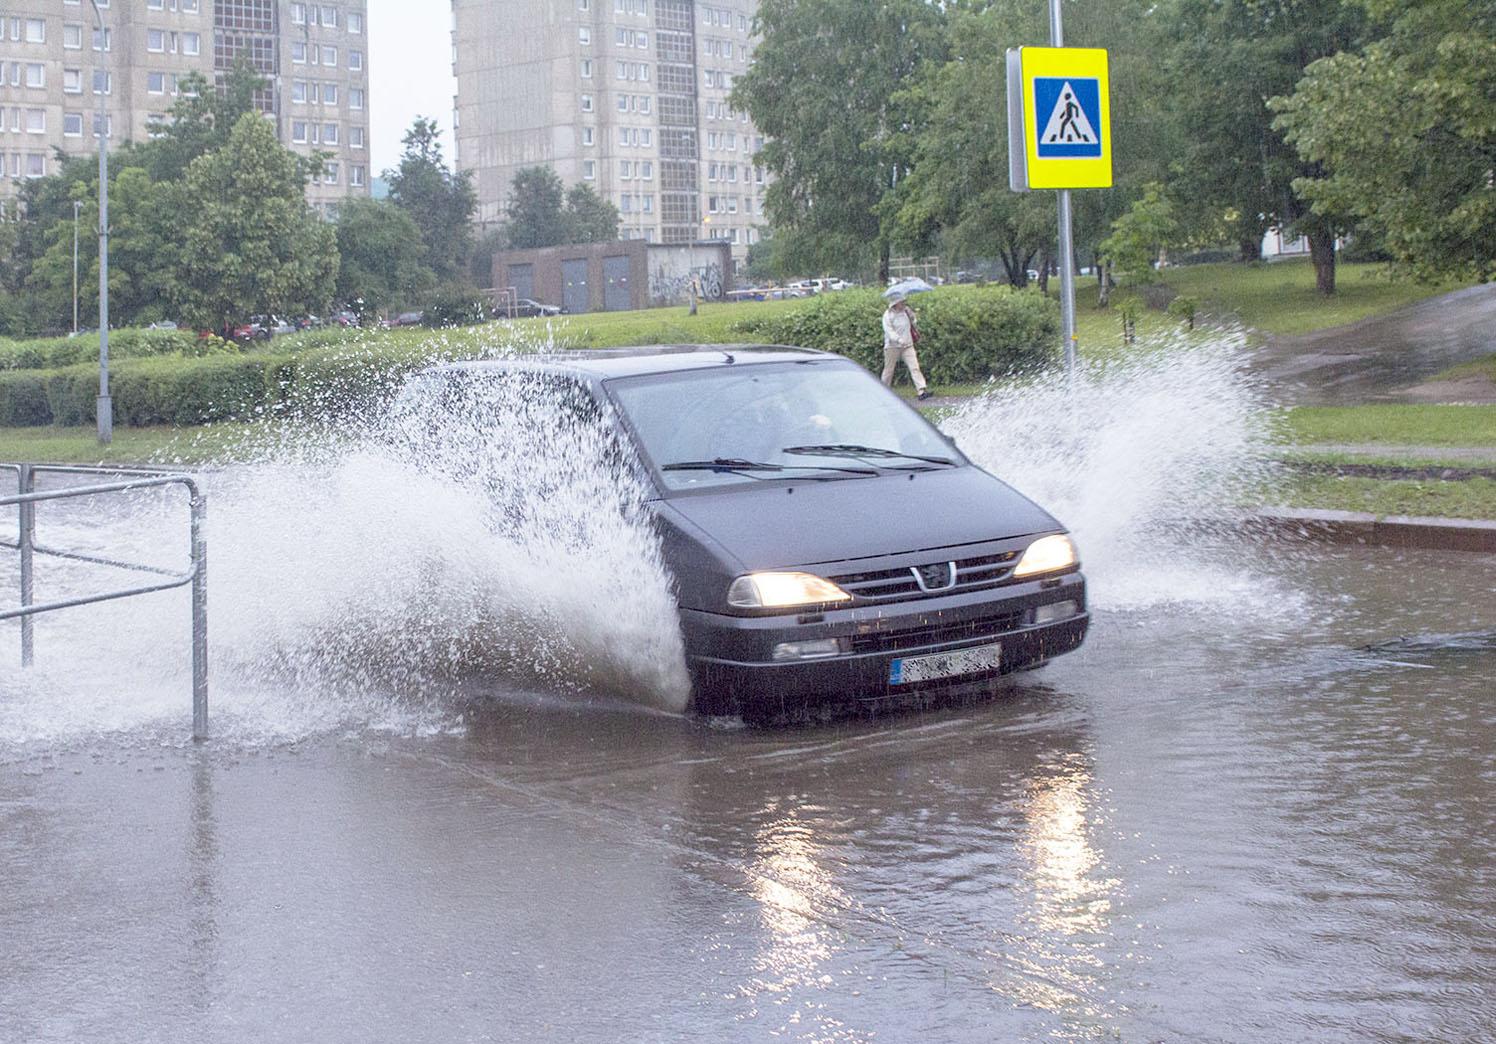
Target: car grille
936 634
889 585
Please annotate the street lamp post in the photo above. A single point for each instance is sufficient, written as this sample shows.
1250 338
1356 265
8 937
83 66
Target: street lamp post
105 408
77 205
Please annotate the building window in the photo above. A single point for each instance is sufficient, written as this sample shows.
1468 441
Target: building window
587 136
298 52
298 14
155 40
355 97
355 22
330 56
155 82
298 131
36 165
589 169
72 124
584 36
586 68
102 41
331 173
329 17
329 94
192 43
355 137
36 74
103 82
72 37
36 121
36 30
72 81
356 176
190 6
646 170
298 91
586 103
329 134
355 60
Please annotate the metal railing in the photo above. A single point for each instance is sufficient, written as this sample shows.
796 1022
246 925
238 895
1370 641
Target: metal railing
196 575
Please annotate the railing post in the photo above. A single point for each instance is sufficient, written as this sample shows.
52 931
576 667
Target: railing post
199 613
27 541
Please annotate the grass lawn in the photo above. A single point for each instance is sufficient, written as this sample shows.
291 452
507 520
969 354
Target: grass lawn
167 446
1393 424
1478 368
1471 498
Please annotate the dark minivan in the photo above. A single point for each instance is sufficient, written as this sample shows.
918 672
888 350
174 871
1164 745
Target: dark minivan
828 545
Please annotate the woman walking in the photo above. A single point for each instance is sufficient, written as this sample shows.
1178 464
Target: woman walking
900 333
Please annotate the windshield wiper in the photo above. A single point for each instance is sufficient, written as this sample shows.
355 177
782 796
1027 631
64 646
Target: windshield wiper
739 464
851 449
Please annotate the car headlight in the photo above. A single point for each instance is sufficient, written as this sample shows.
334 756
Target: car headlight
783 591
1046 555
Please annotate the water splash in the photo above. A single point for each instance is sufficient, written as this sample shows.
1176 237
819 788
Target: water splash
1131 454
490 540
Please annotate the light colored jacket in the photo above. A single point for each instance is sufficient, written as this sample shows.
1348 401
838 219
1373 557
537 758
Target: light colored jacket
898 328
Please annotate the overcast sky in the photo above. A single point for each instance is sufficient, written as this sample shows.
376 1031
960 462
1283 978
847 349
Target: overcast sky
410 73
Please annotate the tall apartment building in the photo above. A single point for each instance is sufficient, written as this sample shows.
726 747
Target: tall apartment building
628 96
56 67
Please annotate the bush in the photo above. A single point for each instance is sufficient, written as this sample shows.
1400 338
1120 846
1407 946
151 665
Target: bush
162 391
56 352
23 400
1184 308
456 308
966 333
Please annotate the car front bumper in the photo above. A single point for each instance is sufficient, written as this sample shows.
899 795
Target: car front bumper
733 670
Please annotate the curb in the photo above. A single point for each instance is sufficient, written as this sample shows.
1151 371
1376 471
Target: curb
1356 527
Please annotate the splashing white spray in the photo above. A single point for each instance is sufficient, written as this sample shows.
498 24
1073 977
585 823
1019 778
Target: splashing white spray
1131 452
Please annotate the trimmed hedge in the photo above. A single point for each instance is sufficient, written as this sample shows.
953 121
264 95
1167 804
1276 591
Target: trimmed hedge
55 352
967 334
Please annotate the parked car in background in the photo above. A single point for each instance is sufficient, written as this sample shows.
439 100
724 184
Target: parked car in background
408 319
525 308
164 324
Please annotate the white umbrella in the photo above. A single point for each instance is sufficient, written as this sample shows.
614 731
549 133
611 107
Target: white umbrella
905 287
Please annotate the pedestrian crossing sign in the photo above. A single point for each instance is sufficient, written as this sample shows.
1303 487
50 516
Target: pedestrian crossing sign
1059 118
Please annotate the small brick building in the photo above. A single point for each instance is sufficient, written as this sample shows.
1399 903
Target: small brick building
618 276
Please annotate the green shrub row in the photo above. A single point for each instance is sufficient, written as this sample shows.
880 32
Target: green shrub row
967 334
56 352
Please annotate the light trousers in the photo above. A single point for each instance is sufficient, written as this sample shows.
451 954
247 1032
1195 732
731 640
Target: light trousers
892 354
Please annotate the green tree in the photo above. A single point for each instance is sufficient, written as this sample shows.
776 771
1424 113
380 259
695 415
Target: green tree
589 217
1404 134
1141 235
199 121
535 212
141 251
1227 58
382 263
440 202
250 244
822 89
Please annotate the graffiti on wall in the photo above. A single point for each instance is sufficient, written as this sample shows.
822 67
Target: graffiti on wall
673 286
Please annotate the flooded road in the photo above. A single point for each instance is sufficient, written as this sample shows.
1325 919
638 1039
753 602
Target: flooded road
1260 819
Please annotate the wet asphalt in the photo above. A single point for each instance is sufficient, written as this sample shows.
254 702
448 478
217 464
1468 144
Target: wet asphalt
1268 821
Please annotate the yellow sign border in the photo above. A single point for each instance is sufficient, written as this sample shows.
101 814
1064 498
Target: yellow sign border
1068 172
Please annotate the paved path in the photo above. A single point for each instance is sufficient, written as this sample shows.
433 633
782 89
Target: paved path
1388 358
1481 454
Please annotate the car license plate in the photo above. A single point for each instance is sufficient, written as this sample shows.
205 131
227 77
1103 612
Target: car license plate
910 669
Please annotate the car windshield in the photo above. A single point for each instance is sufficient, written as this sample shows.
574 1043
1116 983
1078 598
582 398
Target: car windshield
748 423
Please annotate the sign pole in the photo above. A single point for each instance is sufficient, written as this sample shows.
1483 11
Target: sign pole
1067 235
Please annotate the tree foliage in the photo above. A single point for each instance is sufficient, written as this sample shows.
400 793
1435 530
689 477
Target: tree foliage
541 213
248 239
382 263
440 202
1403 136
1140 236
822 88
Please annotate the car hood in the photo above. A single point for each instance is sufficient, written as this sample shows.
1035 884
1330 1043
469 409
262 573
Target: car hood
782 525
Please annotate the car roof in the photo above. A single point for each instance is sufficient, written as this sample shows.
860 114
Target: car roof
604 363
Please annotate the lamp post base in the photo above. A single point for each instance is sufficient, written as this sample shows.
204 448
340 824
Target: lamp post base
105 411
